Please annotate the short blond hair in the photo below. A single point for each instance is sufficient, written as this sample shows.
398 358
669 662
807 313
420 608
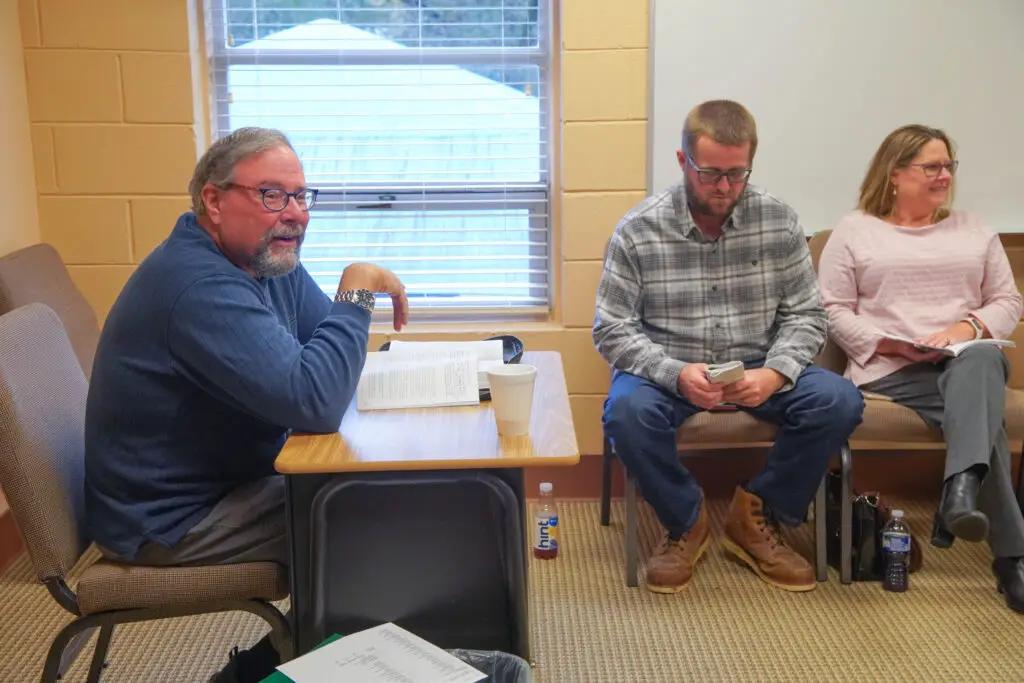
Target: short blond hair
724 121
898 150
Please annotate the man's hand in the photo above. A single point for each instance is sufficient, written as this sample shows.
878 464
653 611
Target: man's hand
755 387
380 281
693 384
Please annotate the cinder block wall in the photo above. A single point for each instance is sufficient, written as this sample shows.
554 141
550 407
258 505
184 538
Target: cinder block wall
114 127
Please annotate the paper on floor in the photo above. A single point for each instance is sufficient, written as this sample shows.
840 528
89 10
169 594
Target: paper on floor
382 654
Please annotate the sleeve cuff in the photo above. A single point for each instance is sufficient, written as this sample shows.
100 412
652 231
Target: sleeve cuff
787 367
350 310
865 355
666 374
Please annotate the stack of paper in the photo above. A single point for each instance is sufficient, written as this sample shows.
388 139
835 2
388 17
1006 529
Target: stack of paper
427 374
423 379
383 654
488 353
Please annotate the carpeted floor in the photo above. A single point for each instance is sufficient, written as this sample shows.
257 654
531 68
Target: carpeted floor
587 626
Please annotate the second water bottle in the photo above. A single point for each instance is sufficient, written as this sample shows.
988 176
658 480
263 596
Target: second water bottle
896 546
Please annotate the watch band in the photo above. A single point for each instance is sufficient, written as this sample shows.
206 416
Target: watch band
973 322
359 297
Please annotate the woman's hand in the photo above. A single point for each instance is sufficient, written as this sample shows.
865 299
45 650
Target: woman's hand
891 347
954 334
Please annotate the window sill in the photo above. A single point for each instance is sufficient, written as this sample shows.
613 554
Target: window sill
485 328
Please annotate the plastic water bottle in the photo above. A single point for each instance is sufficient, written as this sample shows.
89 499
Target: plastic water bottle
545 524
896 546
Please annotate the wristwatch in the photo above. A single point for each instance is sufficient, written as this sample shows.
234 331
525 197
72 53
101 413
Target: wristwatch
973 322
359 297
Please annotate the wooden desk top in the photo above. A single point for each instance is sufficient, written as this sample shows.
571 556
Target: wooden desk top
443 438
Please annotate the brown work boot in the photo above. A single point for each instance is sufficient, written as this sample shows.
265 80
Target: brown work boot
670 566
756 540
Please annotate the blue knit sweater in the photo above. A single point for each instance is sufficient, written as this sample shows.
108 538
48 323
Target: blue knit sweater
201 371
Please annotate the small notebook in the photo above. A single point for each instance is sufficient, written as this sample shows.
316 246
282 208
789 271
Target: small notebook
726 373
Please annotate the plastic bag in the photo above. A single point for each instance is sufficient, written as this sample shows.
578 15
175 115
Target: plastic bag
500 667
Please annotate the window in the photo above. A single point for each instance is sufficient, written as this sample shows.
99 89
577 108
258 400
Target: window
423 123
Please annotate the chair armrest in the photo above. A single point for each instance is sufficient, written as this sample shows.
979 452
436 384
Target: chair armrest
1016 358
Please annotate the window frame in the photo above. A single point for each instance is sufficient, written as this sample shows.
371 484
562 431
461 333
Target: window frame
443 196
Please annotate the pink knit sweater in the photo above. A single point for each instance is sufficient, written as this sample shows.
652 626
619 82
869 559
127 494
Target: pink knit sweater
877 277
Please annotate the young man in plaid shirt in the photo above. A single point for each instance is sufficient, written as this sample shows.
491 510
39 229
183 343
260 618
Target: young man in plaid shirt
710 271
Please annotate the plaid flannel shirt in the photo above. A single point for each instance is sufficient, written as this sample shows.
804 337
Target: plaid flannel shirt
669 295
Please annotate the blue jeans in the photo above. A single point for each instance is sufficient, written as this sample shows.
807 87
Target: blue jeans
815 419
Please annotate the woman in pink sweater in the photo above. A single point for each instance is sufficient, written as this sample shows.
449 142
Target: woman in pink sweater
905 264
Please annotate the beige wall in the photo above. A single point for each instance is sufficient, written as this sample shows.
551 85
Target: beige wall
111 102
20 227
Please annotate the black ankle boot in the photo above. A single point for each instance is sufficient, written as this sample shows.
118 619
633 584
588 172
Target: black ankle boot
1009 573
959 507
941 537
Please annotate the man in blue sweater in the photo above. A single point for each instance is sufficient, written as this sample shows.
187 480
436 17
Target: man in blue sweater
218 345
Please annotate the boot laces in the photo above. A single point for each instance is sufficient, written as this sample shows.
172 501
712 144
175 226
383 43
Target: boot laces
667 545
766 524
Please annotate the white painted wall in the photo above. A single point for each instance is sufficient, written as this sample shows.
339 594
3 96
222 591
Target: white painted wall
827 81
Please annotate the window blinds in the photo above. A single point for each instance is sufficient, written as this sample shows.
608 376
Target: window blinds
423 123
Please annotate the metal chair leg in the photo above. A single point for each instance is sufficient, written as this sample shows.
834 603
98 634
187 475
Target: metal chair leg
820 532
632 521
1020 480
71 637
606 482
64 649
846 515
280 628
99 655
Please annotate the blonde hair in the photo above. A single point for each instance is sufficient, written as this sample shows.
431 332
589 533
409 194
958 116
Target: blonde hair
724 121
898 150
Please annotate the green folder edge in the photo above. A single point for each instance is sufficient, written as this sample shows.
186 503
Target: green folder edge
278 677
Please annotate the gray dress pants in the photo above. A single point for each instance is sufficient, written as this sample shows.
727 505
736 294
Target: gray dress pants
964 398
247 525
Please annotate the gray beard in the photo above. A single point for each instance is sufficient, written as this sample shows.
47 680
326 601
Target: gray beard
265 264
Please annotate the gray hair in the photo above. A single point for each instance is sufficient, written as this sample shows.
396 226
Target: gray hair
217 166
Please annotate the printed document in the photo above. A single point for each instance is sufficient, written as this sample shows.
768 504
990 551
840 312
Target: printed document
489 352
382 654
421 379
